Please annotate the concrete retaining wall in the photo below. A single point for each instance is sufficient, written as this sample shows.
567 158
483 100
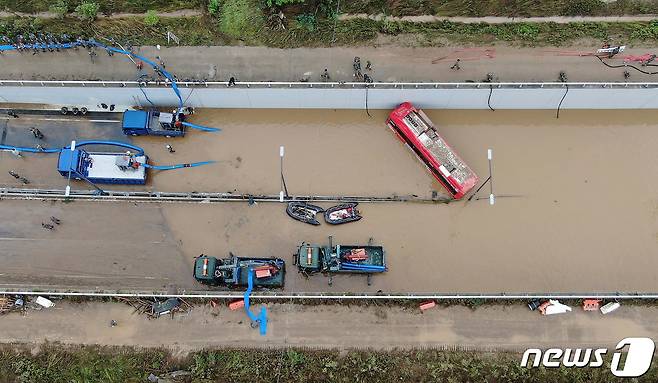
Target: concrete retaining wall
337 96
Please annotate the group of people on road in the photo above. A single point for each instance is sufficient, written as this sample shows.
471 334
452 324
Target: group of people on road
53 222
38 135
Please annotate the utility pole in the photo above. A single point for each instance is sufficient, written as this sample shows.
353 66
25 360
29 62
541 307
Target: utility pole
284 188
67 192
489 180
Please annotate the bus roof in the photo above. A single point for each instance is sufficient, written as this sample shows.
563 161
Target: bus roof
420 133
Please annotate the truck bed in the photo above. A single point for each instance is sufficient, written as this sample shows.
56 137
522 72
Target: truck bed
103 169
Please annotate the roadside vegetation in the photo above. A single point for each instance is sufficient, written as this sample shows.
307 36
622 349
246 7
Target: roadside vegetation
471 8
509 8
106 7
246 28
55 363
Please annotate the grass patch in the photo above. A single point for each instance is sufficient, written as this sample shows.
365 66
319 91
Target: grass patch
240 19
57 363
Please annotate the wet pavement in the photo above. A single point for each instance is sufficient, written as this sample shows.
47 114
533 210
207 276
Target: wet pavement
576 211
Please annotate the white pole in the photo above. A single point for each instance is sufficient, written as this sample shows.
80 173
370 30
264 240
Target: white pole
492 199
67 192
281 154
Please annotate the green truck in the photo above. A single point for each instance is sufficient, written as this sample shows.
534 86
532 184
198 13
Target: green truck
234 271
355 259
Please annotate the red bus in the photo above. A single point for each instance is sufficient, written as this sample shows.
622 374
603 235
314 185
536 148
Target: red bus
415 129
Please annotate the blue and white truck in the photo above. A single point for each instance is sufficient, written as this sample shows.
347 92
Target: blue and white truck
103 168
154 123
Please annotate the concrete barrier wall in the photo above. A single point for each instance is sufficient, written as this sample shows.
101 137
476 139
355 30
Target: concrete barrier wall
337 96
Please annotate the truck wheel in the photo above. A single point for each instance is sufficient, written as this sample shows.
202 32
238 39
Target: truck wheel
64 110
218 273
75 111
83 110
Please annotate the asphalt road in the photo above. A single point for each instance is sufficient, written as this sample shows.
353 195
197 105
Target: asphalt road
391 59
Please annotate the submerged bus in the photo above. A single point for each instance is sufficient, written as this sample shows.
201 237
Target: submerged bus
415 129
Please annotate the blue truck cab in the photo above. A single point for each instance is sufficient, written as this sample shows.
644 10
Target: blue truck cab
153 123
103 168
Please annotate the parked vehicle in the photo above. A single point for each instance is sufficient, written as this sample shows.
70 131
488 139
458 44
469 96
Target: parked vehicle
234 271
355 259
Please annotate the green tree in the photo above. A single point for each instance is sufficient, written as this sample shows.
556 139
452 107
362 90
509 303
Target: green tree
151 18
87 10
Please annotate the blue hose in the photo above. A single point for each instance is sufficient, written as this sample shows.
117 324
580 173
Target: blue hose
262 318
359 267
174 86
29 150
140 151
179 166
199 127
168 75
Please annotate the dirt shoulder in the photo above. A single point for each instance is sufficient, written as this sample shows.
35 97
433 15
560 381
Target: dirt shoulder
343 327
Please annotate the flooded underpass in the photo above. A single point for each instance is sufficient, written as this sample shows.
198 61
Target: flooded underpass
577 209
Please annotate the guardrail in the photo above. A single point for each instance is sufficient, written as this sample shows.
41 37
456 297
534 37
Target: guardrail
197 197
337 296
325 85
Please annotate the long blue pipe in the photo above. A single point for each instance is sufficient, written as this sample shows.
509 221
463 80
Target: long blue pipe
179 166
199 127
29 150
262 318
93 42
168 75
356 267
139 150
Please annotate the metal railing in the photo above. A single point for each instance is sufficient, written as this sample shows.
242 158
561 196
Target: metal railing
332 296
329 85
197 197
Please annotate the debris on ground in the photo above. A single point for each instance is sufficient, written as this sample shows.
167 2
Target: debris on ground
591 304
236 304
609 307
44 302
553 306
534 304
155 308
427 305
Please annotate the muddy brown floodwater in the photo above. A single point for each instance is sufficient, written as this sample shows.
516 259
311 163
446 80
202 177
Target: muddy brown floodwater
577 208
